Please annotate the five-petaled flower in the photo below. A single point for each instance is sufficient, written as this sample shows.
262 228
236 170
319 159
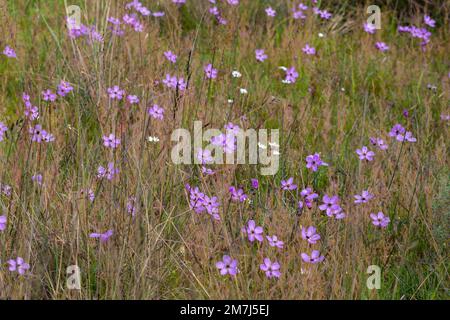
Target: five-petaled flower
227 266
272 269
253 231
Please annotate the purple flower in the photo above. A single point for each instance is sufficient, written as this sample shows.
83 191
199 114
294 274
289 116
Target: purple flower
408 137
48 95
381 46
3 221
310 234
272 269
5 189
260 55
133 99
237 194
255 183
226 141
31 112
253 232
170 82
3 129
18 265
64 88
207 171
233 2
324 14
288 184
116 93
379 143
111 141
270 12
90 194
232 128
429 21
108 172
313 162
369 28
131 207
314 258
309 50
211 204
330 204
227 266
210 72
275 242
214 11
170 56
380 220
173 82
299 14
204 156
102 236
9 52
397 130
365 154
37 178
365 197
179 2
309 194
37 134
291 75
302 7
156 112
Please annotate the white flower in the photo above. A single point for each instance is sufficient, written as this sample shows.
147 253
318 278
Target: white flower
282 68
236 74
262 146
153 139
274 144
321 35
230 101
243 91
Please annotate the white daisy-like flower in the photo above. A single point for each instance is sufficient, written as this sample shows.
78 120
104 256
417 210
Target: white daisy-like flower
236 74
